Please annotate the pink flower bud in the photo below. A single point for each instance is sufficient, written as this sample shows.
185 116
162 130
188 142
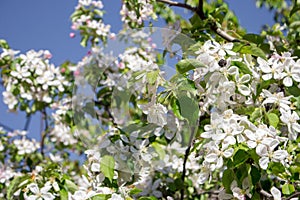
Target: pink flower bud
47 54
63 70
72 35
153 46
73 27
121 65
112 36
76 73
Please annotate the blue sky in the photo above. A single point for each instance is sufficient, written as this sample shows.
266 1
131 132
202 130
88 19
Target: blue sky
45 24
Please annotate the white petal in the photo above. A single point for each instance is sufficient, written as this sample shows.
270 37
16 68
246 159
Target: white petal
212 157
228 153
244 90
276 193
279 155
262 150
245 78
287 81
263 162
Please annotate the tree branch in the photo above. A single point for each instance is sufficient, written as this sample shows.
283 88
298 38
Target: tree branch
200 13
26 126
44 133
6 127
297 194
187 152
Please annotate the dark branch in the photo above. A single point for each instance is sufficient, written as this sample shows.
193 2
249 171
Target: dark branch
297 194
177 4
6 127
187 153
200 13
28 119
44 133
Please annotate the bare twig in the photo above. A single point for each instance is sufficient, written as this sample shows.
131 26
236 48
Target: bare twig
6 127
265 193
28 119
297 194
44 133
187 152
200 13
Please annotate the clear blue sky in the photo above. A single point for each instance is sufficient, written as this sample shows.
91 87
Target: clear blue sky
45 24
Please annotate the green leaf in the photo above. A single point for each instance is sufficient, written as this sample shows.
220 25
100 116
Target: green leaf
228 177
186 65
14 184
294 90
252 49
295 9
101 197
3 44
135 191
256 114
189 108
255 175
242 67
63 194
84 40
159 150
254 38
148 198
276 168
152 76
107 166
240 157
288 189
273 119
72 187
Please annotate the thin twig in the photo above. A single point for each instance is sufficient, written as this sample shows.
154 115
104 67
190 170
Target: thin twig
6 127
187 152
297 194
200 13
265 193
28 119
44 133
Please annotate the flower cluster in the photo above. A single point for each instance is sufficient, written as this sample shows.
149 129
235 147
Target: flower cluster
135 13
87 18
33 79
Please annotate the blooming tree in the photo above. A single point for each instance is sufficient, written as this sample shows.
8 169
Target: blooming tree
199 109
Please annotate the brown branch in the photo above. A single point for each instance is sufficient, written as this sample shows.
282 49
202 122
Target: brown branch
44 133
297 194
200 13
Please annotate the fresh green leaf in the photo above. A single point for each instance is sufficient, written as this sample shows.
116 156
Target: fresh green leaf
72 187
242 67
135 191
295 9
255 175
276 168
14 184
152 76
186 65
63 194
288 189
101 197
254 50
273 119
240 157
189 108
107 166
254 38
84 40
228 177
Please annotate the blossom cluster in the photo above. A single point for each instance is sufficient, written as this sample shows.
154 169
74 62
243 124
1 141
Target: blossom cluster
87 18
32 78
135 13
